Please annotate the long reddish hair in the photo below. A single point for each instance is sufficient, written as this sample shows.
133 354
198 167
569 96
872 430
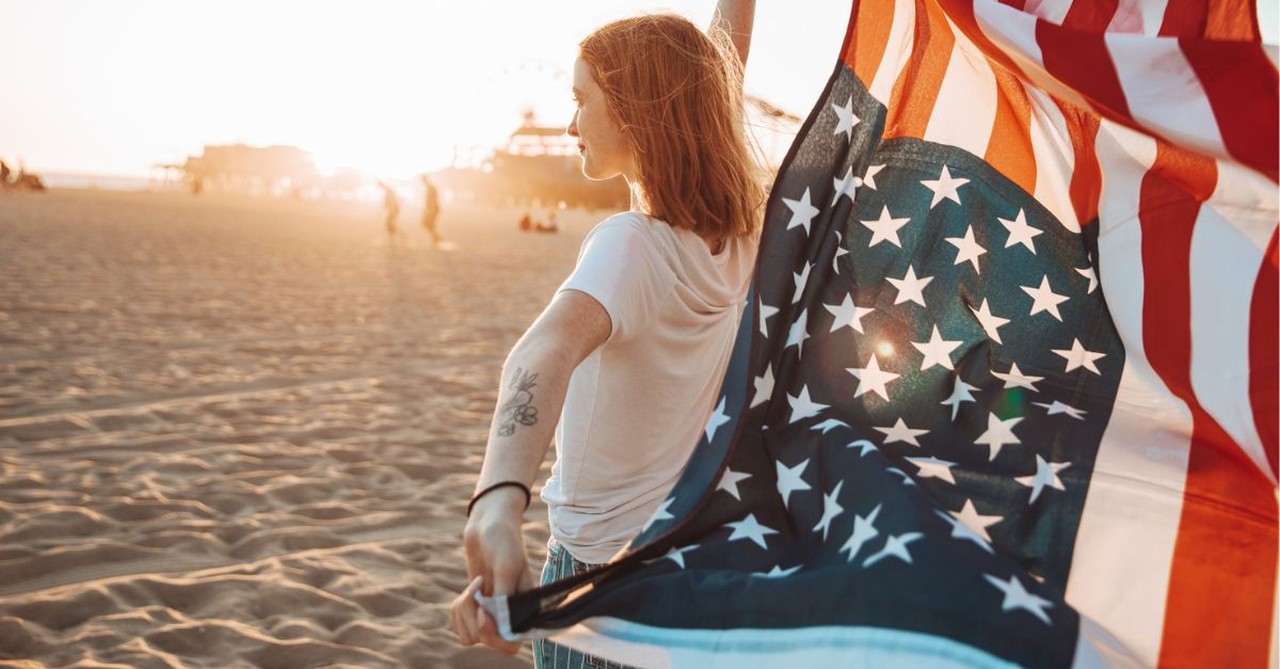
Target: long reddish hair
676 95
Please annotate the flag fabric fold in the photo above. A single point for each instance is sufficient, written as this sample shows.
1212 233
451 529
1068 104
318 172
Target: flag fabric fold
1005 387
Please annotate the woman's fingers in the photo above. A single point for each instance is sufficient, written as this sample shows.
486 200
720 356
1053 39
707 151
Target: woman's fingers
463 614
488 631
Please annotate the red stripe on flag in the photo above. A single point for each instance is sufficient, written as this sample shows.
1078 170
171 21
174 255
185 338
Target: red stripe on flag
1009 150
1082 61
1264 342
864 46
1241 85
1086 177
1091 15
1223 575
1212 19
916 89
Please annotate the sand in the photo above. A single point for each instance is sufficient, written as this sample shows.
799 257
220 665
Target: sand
241 432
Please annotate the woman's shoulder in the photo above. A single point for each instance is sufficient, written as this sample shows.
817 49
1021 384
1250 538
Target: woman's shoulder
631 225
632 220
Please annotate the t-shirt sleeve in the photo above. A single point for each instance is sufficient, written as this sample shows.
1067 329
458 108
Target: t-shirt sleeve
621 268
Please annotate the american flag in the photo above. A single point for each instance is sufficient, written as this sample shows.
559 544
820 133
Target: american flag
1005 389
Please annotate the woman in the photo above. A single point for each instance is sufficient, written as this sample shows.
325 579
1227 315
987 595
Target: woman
630 352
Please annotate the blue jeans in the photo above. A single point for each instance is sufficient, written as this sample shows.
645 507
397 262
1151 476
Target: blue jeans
547 655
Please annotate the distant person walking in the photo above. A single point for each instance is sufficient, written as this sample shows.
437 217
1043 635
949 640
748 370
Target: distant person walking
430 209
391 203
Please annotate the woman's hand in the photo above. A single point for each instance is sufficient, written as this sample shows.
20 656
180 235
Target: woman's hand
496 564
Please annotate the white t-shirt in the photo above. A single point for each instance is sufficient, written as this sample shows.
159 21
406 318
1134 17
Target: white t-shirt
636 407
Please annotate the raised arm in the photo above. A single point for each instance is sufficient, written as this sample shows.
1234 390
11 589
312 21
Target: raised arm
535 379
736 18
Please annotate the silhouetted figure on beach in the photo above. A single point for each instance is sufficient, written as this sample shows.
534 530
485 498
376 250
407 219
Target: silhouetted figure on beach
391 204
525 223
551 225
4 174
430 209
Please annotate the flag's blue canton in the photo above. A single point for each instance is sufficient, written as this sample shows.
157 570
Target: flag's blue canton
931 368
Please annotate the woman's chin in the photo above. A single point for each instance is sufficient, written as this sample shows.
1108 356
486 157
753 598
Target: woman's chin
594 173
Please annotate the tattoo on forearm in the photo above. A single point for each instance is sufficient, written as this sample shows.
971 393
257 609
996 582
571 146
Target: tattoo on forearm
519 409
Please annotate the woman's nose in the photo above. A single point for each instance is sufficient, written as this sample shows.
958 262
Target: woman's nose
573 126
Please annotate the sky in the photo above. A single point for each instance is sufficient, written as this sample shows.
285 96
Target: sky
388 87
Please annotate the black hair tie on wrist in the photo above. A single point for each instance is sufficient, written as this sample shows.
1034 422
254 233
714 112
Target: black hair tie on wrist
528 496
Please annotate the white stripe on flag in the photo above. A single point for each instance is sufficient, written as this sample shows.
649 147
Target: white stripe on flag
1224 264
755 648
897 52
1014 33
1055 161
1135 494
1163 92
1138 17
965 110
1053 11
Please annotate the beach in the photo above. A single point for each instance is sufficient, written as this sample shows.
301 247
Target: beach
242 432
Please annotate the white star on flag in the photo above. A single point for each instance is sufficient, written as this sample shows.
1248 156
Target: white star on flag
1088 273
869 180
840 251
676 555
660 514
910 288
967 249
845 118
967 524
764 387
1079 356
1020 232
906 478
999 433
885 228
765 312
802 211
802 280
933 468
799 332
729 482
778 572
864 530
863 445
718 418
894 546
847 314
750 528
945 187
961 392
1055 407
1046 475
791 479
831 509
937 351
802 407
990 322
846 187
872 378
1044 299
828 425
1014 378
900 432
1017 597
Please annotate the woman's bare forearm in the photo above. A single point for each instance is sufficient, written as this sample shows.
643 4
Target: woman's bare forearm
736 18
535 378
